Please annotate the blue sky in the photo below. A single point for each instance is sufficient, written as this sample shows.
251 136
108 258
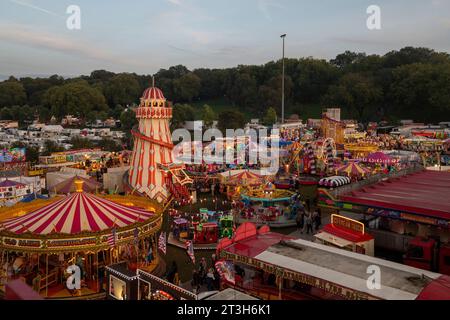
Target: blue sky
145 35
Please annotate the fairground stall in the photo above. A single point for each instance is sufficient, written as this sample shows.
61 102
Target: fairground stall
407 214
205 229
267 205
124 284
347 234
273 266
39 240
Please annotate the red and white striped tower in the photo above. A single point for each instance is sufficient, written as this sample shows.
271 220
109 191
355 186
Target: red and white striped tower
152 146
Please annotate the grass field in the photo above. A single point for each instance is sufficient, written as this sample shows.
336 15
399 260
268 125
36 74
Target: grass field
305 111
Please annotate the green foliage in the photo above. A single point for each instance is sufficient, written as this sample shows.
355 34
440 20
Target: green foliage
271 117
128 120
122 89
357 93
81 143
208 116
12 93
187 87
231 119
50 147
109 145
76 98
410 82
181 113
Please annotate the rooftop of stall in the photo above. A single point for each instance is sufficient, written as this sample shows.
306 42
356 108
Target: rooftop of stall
422 193
343 268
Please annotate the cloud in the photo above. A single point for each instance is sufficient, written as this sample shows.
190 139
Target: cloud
29 5
175 2
266 6
31 37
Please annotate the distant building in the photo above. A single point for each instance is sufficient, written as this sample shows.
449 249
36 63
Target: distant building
9 124
70 120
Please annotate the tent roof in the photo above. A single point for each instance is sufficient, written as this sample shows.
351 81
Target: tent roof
78 212
68 185
424 193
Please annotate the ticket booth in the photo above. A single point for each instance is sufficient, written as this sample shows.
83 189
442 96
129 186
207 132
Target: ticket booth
347 234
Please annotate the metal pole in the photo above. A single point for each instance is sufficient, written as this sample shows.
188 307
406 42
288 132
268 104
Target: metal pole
282 85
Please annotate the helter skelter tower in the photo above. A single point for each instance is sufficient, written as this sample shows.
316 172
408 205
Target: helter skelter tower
152 171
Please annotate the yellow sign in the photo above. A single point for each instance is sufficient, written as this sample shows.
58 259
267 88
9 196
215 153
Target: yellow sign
348 223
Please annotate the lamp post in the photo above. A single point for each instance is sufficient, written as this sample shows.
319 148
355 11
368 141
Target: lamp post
282 84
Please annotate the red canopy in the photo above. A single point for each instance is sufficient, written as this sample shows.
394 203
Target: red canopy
246 178
79 212
68 185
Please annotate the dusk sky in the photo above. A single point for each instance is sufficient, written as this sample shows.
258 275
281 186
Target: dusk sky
143 36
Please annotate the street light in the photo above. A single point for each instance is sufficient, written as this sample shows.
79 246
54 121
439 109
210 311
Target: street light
282 84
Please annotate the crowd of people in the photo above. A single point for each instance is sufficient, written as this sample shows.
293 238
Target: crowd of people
205 275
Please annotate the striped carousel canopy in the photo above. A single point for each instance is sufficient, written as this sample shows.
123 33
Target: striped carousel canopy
69 185
335 181
353 169
76 213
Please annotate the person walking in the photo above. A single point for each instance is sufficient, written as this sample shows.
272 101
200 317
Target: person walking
300 220
309 223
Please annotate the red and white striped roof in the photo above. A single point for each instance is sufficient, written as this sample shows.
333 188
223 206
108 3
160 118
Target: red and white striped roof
153 93
78 212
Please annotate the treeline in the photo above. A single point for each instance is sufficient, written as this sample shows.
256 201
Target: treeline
410 83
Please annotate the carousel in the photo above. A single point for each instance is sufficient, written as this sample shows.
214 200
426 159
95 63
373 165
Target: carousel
38 245
234 182
268 205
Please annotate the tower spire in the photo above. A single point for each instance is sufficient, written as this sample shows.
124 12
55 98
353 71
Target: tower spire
153 81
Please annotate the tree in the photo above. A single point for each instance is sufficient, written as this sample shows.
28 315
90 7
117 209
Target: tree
208 116
81 143
109 145
128 120
122 89
50 147
181 114
421 91
242 90
230 119
271 117
12 93
347 58
76 98
357 94
187 87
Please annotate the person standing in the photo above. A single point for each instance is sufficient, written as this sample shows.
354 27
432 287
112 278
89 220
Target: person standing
202 270
195 283
210 279
316 220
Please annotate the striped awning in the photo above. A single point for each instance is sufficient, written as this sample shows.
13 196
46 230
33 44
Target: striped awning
76 213
335 181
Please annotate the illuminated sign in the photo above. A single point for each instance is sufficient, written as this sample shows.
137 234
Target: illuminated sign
327 286
347 223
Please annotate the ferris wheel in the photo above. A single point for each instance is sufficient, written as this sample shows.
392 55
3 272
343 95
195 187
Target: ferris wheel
326 149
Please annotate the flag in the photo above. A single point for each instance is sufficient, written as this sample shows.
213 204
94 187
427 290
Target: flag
190 250
112 238
162 242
